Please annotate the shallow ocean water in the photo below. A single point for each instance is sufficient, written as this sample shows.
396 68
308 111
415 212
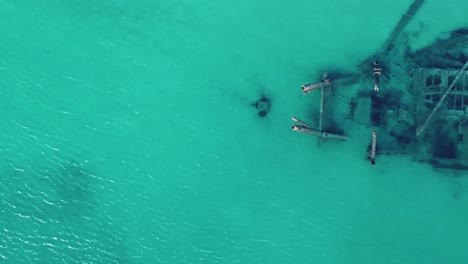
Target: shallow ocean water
128 136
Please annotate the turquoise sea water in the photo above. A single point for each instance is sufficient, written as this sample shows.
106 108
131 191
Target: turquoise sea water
127 136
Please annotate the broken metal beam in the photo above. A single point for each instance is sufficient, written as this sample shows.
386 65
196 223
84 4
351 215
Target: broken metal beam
404 21
321 110
389 43
372 151
305 128
325 82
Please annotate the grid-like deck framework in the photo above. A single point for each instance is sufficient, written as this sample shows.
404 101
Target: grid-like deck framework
435 82
446 138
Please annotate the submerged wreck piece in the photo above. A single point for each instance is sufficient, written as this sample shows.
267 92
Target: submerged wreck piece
372 147
443 136
263 106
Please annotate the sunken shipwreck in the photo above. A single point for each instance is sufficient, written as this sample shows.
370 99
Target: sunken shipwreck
412 102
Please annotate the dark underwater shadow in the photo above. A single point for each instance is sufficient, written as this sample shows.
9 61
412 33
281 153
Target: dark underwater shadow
61 198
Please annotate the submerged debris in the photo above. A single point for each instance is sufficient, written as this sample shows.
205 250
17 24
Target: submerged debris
263 106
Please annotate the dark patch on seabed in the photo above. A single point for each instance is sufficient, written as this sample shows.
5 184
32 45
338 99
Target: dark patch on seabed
74 184
68 184
61 196
263 105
